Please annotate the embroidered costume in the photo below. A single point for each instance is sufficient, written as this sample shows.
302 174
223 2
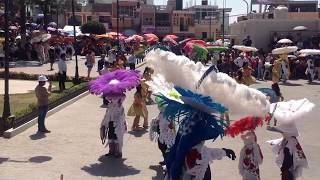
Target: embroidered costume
113 86
290 156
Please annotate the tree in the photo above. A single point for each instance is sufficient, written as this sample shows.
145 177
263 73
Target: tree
93 27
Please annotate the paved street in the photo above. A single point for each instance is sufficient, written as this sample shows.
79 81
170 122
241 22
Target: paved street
33 67
74 148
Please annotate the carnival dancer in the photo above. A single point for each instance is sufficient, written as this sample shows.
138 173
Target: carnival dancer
290 156
248 79
250 156
310 69
285 70
138 109
162 131
113 126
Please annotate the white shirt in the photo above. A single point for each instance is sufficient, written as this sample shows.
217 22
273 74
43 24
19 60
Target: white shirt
239 61
62 66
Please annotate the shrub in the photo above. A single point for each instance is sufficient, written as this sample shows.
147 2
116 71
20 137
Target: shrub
93 27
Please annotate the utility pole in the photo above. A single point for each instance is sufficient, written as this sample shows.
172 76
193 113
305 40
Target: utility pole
118 38
6 101
76 79
223 12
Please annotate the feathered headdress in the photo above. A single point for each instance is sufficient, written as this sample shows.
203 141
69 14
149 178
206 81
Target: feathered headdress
197 123
242 125
183 72
115 83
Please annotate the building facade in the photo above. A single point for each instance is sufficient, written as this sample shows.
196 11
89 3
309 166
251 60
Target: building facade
277 23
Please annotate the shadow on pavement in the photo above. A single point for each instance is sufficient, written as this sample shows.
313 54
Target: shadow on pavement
40 159
313 83
290 84
35 159
159 171
110 167
37 136
138 133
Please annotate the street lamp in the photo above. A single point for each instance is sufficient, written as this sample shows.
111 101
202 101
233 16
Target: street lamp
245 1
118 38
6 102
76 79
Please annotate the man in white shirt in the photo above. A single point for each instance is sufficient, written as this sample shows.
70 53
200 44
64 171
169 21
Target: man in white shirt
240 60
62 66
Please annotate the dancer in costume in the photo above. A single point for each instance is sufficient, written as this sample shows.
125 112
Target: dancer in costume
113 86
138 109
163 131
248 79
310 69
250 156
189 158
290 156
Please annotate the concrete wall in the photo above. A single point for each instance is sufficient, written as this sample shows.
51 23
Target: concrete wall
261 30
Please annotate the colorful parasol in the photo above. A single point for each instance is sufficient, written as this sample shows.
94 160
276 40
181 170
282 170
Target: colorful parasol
285 50
217 48
310 51
151 37
115 83
171 36
189 45
300 28
245 48
201 52
285 41
136 38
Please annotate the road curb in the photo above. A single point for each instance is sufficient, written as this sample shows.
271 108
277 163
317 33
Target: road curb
13 132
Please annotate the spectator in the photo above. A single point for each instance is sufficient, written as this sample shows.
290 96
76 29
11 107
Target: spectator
132 61
240 60
51 57
62 72
90 61
101 63
247 41
317 67
260 68
42 95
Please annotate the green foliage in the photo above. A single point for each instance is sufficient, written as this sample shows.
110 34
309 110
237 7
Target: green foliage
93 27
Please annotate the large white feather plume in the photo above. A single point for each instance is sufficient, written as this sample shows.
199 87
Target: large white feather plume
181 71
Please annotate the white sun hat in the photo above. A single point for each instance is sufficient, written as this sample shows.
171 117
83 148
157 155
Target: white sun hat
42 78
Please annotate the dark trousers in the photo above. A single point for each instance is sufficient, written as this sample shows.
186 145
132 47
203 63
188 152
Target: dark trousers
132 66
42 112
163 148
62 80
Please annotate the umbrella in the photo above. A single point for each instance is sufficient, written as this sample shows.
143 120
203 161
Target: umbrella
51 29
185 41
107 36
300 28
171 36
53 24
13 27
114 33
217 48
200 51
151 37
285 41
310 51
189 45
170 40
285 50
245 48
292 56
135 37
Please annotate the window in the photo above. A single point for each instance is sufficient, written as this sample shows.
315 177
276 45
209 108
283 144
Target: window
89 18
